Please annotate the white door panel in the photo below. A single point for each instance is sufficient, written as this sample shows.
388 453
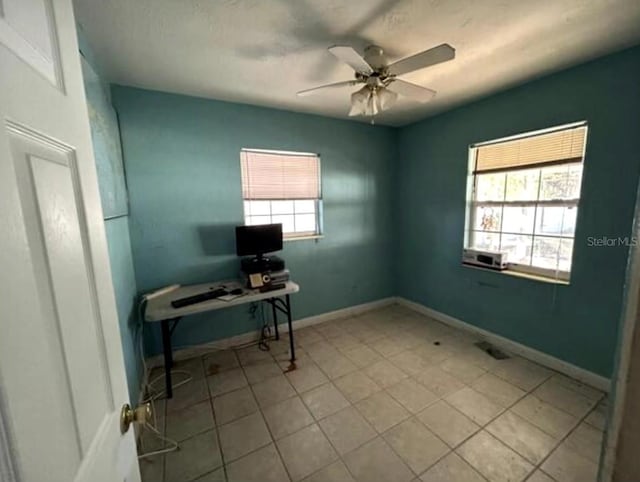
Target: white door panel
62 380
35 345
45 179
27 28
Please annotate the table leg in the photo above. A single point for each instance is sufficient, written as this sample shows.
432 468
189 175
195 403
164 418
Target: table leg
275 318
168 356
291 346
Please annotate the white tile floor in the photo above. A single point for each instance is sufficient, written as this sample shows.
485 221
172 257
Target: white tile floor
375 399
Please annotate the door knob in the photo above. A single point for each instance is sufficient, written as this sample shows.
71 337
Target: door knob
128 415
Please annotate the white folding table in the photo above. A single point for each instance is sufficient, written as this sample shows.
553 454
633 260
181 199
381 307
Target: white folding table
159 310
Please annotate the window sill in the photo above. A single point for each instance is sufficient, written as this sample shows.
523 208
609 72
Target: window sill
520 274
302 238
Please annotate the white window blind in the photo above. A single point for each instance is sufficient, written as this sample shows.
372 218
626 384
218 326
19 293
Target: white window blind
524 201
267 175
282 187
561 146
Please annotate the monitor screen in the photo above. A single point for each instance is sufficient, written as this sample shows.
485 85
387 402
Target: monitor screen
257 240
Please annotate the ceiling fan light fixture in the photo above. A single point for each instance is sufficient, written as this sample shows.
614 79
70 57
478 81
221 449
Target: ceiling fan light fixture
372 104
359 100
371 100
386 98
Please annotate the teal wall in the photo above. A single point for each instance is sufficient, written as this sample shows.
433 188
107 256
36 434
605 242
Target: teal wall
124 284
394 206
182 158
105 136
576 323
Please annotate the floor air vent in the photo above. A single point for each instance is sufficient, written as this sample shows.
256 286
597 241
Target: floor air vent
493 351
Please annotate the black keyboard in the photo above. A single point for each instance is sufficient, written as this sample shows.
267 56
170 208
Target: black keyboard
199 298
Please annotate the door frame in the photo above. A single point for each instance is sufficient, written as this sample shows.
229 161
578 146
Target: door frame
624 352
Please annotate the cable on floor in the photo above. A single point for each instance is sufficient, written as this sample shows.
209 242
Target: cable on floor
174 445
265 331
148 389
149 386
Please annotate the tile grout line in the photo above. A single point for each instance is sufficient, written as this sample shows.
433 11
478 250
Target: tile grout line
483 427
502 412
381 435
411 414
451 450
563 439
215 418
317 422
216 426
530 392
249 385
209 401
341 456
264 420
164 433
351 405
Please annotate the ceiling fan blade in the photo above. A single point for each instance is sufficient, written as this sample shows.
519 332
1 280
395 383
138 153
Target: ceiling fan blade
349 56
433 56
417 92
337 85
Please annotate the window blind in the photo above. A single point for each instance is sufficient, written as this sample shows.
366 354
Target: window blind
274 175
560 146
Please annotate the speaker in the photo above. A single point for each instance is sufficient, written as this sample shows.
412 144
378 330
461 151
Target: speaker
258 280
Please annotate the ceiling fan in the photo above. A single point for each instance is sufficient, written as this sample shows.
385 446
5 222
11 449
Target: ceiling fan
381 82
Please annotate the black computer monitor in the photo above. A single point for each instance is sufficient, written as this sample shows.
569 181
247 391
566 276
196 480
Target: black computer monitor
258 240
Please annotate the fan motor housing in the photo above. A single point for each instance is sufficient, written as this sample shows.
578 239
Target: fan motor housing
374 56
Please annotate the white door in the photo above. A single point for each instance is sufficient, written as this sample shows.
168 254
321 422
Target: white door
62 381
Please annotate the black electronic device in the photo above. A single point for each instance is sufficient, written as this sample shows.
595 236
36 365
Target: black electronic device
272 287
258 240
199 298
261 265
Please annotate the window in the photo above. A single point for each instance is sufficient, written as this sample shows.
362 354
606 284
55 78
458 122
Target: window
524 195
282 187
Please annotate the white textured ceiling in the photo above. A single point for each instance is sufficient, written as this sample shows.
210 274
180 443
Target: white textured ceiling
263 51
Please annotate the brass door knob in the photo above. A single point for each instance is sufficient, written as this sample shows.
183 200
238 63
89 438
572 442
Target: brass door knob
141 414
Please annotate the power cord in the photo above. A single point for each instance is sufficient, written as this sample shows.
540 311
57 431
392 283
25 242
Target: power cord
265 336
152 395
159 394
156 432
148 390
265 331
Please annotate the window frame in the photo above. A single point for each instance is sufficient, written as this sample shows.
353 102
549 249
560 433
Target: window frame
271 214
318 202
472 204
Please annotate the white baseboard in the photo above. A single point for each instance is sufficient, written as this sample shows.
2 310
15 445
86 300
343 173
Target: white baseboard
585 376
252 336
341 313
